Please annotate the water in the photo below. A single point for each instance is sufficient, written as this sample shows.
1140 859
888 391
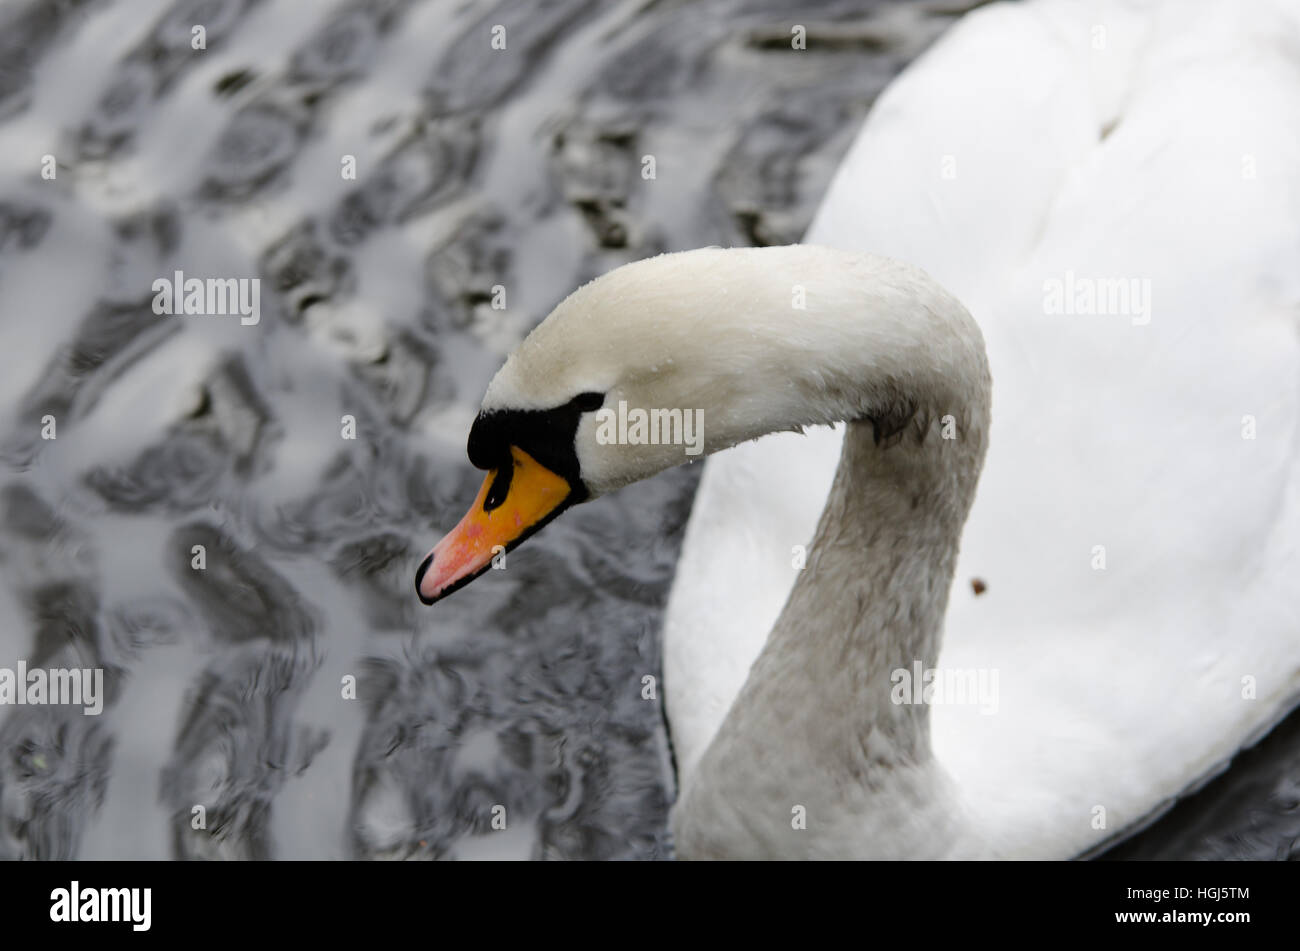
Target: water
291 698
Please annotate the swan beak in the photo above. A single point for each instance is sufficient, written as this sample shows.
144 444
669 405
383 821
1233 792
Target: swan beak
533 495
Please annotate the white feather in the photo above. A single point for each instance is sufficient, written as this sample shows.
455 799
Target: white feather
1029 145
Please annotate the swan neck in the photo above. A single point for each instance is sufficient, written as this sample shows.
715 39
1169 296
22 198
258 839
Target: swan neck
868 608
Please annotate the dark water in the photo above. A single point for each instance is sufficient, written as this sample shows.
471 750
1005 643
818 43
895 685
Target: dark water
476 170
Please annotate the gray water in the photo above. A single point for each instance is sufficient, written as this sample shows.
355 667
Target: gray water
229 685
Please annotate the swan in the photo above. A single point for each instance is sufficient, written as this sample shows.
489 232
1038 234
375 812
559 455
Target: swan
1095 508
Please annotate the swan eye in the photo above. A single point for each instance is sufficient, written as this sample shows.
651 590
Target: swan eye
500 487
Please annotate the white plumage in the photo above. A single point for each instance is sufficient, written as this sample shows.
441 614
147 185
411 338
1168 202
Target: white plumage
1041 147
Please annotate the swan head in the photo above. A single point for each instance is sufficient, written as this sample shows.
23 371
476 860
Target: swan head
548 430
664 360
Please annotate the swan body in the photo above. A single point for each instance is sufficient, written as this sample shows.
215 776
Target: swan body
1138 520
1118 470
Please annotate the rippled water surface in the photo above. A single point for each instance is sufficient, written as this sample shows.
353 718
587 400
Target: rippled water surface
478 172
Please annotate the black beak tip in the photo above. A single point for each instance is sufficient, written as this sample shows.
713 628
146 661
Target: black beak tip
419 576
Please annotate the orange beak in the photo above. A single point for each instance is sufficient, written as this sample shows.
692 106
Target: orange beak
534 495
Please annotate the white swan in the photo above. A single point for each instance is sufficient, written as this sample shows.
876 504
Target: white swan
1138 519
